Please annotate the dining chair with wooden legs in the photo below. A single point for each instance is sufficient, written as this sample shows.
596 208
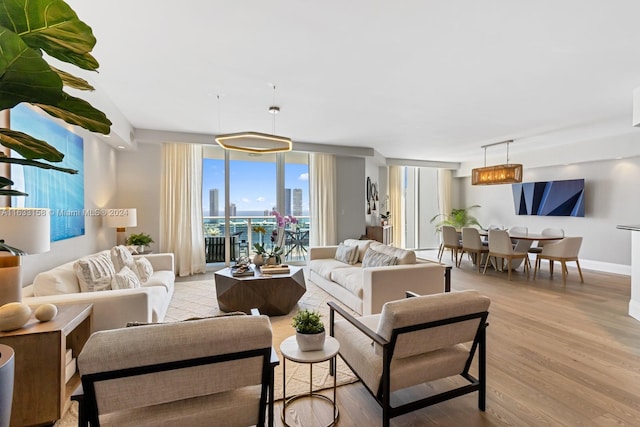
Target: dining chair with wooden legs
472 244
450 240
500 247
563 251
545 232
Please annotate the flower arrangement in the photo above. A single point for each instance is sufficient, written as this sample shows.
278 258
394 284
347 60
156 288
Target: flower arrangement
259 249
283 221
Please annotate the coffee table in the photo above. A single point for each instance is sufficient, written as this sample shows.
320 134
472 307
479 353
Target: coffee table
273 295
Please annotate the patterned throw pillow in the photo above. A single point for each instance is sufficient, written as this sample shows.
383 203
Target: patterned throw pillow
377 259
143 269
121 257
347 254
125 279
95 272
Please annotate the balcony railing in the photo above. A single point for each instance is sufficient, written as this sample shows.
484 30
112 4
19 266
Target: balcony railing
243 237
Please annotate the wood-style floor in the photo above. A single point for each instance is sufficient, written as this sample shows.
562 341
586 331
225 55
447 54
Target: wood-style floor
556 356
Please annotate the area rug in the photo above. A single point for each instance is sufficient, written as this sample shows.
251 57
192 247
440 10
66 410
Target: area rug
198 299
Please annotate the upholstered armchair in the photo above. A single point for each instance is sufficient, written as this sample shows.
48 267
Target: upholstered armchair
563 251
207 372
415 341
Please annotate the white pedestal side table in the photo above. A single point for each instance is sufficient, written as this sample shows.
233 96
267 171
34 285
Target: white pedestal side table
290 351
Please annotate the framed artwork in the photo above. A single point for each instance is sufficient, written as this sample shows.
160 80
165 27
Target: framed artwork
61 192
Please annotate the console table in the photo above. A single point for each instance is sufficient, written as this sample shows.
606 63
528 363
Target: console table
40 395
381 233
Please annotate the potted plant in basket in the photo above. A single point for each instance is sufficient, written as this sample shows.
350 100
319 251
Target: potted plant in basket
310 331
141 240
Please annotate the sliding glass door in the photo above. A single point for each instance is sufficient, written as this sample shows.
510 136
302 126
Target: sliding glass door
421 204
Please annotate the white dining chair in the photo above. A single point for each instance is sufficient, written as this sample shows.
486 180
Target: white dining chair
545 232
472 244
500 247
450 240
563 251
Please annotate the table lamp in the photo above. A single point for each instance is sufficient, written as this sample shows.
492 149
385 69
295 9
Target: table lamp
23 231
120 219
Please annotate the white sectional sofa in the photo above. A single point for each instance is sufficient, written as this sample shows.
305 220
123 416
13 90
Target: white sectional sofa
111 308
366 289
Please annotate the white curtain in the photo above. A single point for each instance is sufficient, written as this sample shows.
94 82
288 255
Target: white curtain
396 205
444 191
322 191
181 229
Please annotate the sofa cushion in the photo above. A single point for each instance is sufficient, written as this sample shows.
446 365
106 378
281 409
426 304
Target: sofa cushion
362 245
125 279
404 256
350 279
121 257
377 259
347 254
162 278
144 269
95 272
325 266
57 281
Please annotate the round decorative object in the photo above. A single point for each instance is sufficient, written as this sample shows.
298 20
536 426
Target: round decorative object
310 342
14 315
46 312
258 260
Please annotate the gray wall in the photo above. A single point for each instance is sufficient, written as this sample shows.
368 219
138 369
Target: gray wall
611 189
351 197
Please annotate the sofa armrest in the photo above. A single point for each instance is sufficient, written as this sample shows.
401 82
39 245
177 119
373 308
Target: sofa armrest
322 252
111 309
383 284
159 262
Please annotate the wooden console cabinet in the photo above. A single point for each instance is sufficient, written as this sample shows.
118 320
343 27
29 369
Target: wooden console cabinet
381 233
40 395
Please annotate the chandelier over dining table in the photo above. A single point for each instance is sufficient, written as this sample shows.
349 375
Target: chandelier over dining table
499 174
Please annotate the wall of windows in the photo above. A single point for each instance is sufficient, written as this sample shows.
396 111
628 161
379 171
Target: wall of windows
421 204
257 185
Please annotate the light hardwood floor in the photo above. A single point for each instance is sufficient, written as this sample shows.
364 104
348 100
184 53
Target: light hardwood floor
556 356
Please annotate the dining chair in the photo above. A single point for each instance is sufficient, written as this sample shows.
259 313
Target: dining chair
545 232
564 250
450 240
500 246
472 244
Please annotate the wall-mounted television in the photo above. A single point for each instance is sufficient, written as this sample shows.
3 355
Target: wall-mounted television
549 198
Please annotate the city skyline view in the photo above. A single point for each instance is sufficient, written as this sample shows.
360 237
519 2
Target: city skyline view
253 187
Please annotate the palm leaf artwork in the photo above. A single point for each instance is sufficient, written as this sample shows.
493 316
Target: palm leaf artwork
29 28
458 218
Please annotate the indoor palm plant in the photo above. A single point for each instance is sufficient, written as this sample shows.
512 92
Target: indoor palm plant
310 331
29 28
141 239
458 218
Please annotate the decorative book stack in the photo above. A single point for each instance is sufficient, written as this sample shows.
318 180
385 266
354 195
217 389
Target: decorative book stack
275 269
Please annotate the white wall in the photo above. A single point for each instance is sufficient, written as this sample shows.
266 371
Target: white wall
99 192
138 184
611 189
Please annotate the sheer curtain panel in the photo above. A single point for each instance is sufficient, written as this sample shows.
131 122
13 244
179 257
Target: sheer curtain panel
396 204
322 191
181 230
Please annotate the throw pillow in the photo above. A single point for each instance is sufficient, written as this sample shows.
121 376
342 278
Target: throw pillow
144 269
121 257
125 279
347 254
377 259
95 272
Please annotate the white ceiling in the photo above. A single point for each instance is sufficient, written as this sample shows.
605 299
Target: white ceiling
425 79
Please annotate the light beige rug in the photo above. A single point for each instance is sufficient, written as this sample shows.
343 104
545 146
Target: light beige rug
198 299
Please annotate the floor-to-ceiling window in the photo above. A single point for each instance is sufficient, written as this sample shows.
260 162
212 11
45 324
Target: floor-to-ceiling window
255 191
421 204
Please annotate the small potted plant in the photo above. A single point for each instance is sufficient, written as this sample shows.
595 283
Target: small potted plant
310 331
141 240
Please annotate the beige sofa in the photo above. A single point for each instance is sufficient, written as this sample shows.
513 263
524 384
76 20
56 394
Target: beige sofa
365 290
111 308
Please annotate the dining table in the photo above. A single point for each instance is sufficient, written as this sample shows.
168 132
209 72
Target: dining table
523 242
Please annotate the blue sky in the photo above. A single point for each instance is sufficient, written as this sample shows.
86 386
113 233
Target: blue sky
253 184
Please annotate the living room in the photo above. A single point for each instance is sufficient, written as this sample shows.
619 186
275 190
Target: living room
598 143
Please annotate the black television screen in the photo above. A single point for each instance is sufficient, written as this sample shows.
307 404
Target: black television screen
549 198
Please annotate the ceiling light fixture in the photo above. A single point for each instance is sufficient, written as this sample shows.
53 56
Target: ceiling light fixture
499 174
255 142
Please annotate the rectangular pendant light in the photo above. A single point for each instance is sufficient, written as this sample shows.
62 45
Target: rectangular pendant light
499 174
254 142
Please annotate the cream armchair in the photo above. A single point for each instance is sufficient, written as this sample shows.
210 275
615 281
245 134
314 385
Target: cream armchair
415 341
563 251
208 372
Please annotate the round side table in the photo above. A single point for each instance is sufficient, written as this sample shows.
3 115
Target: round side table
290 351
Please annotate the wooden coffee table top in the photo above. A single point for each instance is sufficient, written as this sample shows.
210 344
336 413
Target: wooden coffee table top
273 295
